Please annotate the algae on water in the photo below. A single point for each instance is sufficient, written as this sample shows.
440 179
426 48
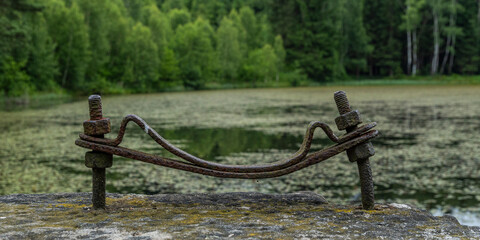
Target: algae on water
427 153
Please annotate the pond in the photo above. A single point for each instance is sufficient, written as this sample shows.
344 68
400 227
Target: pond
428 153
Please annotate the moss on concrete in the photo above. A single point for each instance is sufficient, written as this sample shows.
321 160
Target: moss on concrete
234 215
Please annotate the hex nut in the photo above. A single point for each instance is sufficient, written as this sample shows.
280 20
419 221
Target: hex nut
347 120
98 160
361 151
96 127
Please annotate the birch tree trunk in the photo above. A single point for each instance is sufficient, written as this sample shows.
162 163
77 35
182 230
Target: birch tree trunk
409 51
414 64
436 43
450 35
447 51
409 39
450 65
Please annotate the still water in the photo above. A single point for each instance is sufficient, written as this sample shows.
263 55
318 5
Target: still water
428 154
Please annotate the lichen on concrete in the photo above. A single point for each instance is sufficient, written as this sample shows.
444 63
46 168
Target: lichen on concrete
303 215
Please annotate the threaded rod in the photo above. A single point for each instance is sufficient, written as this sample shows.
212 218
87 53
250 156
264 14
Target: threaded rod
95 107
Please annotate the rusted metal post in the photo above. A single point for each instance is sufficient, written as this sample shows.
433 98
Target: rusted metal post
348 120
97 126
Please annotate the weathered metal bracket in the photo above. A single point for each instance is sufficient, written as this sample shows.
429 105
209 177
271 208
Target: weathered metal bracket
356 142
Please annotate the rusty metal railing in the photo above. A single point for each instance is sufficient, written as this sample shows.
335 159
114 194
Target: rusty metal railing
356 142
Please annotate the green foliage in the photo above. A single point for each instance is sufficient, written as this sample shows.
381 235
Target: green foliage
173 4
96 19
193 46
141 72
295 77
42 65
115 46
15 45
14 29
169 70
384 17
228 50
162 33
178 17
14 81
279 51
413 15
311 31
261 64
354 46
135 7
214 11
69 32
159 24
252 30
468 55
242 33
116 35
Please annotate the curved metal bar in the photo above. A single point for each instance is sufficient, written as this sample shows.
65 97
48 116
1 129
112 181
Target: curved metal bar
309 160
294 159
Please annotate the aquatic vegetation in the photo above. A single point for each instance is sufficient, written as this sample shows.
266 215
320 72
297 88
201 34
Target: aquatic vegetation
427 153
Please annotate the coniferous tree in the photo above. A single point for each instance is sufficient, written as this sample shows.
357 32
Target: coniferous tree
467 57
384 17
354 47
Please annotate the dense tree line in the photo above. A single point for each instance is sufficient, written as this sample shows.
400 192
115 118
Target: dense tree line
152 45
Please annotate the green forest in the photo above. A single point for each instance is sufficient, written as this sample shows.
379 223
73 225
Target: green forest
131 46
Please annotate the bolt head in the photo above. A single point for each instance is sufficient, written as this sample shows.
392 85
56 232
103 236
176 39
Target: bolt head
348 119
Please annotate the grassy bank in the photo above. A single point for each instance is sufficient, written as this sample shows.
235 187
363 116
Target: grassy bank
44 99
408 80
37 100
392 81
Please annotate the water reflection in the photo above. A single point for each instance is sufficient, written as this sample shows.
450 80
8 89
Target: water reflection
210 143
464 217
